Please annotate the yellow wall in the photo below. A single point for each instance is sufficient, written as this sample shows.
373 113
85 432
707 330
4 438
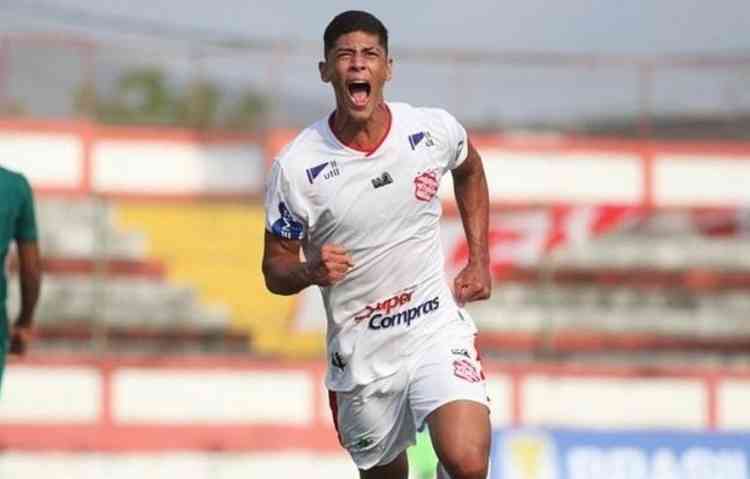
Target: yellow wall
217 248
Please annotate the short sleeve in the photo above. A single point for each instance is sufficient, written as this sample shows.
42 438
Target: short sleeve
25 227
458 147
285 213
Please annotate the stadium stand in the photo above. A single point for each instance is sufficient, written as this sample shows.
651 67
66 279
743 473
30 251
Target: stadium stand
217 247
671 281
101 277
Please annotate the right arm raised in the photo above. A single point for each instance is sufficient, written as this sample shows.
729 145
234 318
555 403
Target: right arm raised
286 274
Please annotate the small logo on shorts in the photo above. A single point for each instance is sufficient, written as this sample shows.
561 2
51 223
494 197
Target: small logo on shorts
463 369
362 444
460 352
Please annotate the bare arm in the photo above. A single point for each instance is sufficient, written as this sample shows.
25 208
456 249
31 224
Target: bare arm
286 274
470 187
30 278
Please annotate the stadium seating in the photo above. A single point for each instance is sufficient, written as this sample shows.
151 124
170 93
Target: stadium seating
195 268
662 280
98 275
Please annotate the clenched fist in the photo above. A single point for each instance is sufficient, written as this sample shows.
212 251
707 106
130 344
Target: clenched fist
473 283
330 265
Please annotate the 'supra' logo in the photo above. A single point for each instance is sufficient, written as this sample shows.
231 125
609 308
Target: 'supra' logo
390 312
396 301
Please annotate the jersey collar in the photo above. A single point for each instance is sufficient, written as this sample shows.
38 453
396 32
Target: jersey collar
366 152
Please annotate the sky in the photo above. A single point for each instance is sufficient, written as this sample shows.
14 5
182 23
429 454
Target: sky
634 27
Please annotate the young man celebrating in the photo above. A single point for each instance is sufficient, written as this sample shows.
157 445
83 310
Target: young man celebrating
357 192
18 223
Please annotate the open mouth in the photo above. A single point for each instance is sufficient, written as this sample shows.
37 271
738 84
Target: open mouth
359 91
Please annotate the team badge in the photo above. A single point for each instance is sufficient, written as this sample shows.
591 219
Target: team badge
463 369
426 185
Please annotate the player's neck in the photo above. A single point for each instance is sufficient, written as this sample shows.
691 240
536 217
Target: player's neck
365 135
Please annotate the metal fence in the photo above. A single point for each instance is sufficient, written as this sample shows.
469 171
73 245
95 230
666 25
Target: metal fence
60 75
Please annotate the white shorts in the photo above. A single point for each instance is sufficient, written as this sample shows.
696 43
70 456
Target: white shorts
378 421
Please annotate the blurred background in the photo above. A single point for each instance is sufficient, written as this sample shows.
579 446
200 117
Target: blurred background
616 141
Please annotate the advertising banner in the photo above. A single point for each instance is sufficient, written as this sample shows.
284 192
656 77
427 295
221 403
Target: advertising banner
574 454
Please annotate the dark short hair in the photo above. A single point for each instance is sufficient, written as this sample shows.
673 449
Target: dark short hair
354 21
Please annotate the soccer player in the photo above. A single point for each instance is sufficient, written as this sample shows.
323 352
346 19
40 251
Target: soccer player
357 193
18 223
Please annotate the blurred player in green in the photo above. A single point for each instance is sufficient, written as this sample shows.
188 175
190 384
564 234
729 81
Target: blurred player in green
18 224
422 457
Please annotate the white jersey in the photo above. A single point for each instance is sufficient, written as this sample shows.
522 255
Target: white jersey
384 209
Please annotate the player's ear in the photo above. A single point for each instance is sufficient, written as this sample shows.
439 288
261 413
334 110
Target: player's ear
323 69
389 68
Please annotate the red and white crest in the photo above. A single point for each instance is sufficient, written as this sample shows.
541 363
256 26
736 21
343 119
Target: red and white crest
426 185
463 369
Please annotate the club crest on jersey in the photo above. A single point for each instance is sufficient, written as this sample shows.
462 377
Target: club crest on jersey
315 171
417 138
426 185
382 180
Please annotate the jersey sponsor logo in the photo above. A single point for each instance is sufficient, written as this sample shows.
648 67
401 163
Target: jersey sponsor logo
426 185
396 301
382 180
287 227
417 138
405 317
463 369
315 171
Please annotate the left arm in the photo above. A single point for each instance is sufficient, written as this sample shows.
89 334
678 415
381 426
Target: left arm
473 283
29 271
30 278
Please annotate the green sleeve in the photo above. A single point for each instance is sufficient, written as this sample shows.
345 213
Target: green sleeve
26 221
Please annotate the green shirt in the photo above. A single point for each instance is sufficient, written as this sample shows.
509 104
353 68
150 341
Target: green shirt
17 223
